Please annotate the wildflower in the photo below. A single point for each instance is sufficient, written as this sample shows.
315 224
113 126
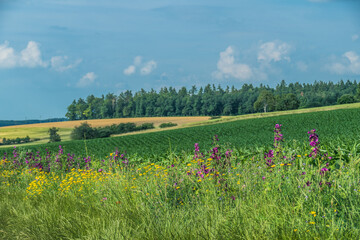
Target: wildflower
233 198
295 230
323 170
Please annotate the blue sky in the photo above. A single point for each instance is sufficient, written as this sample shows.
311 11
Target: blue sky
52 52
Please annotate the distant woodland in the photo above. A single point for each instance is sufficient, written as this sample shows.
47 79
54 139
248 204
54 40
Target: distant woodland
214 100
4 123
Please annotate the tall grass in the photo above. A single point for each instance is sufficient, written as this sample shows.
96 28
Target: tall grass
215 194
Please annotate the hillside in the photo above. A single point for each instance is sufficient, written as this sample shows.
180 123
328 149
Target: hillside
250 133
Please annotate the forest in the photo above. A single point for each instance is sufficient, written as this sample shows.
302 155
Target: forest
214 100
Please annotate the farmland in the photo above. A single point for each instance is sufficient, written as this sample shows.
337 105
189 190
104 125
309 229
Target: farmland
248 133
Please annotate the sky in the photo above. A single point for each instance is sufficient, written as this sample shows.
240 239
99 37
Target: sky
52 52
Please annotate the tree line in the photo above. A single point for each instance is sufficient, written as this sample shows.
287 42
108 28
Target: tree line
214 100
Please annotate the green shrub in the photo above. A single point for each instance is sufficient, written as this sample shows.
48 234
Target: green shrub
169 124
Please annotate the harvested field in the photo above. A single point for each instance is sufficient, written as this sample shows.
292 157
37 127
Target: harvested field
106 122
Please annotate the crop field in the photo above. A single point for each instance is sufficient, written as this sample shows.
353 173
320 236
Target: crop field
40 130
251 134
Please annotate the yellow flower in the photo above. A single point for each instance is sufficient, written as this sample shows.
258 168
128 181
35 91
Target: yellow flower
281 164
298 155
295 230
189 164
273 166
311 222
312 212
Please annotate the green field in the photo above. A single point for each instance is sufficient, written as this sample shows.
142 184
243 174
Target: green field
215 196
250 134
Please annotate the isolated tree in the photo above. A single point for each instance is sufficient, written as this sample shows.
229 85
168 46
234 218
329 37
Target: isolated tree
266 101
54 136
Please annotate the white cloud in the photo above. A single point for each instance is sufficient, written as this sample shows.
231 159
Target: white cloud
29 57
86 80
129 70
354 37
145 68
226 67
274 51
58 63
8 59
148 67
302 66
349 64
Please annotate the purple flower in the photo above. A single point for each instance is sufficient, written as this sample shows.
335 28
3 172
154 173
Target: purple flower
323 170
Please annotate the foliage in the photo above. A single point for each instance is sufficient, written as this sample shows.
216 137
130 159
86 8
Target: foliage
18 140
85 131
266 101
346 98
169 124
210 100
221 193
54 136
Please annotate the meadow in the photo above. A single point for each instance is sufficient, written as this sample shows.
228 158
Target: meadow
286 190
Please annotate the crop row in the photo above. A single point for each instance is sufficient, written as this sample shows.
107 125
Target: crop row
334 127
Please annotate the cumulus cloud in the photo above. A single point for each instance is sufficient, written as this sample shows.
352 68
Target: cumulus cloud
148 67
86 80
274 51
29 57
349 64
145 68
354 37
227 67
58 63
